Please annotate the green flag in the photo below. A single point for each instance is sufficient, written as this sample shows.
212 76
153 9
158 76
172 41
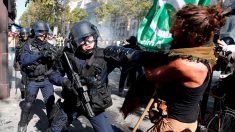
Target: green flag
154 31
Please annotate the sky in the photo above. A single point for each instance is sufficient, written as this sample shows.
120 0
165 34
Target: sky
20 7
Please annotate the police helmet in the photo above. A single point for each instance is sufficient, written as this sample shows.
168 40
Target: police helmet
79 31
24 32
40 27
228 40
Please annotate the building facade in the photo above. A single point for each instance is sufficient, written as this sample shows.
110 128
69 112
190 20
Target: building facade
7 15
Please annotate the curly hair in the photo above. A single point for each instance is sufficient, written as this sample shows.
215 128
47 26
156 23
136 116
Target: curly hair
195 25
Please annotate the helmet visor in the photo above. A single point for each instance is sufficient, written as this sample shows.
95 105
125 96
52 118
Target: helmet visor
41 32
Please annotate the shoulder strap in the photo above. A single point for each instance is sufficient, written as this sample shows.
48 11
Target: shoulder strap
205 97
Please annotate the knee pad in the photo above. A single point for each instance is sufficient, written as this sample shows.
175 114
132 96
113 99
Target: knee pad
27 106
59 118
29 97
29 100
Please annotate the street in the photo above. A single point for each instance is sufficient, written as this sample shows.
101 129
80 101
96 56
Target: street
10 109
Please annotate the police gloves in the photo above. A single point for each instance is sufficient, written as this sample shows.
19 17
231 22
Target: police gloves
48 54
67 84
119 53
136 57
91 83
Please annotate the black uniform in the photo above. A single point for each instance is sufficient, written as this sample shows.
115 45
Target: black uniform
36 60
93 69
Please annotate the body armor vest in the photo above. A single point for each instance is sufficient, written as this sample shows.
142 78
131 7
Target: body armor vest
39 68
94 73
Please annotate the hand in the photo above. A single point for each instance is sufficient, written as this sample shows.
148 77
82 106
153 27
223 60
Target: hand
91 83
222 44
48 54
67 84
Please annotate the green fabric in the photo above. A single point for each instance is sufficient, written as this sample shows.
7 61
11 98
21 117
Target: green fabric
154 31
202 54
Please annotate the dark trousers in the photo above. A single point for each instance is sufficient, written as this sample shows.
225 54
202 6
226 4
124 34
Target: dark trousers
129 75
101 123
45 86
122 80
32 91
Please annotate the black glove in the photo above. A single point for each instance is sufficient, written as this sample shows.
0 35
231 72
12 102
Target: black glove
83 80
67 84
91 83
48 54
118 53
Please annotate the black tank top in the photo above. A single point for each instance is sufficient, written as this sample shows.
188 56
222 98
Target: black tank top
183 102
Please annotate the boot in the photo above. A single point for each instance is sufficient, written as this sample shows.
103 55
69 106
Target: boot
24 119
49 107
22 94
22 128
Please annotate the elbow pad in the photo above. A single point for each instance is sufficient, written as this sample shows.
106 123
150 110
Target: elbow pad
119 53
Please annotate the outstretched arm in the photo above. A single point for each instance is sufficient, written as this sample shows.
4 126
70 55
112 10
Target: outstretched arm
128 56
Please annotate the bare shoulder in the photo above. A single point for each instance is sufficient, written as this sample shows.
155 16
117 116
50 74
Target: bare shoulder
193 72
189 73
189 65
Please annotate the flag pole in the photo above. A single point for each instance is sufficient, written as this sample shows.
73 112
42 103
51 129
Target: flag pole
143 114
151 101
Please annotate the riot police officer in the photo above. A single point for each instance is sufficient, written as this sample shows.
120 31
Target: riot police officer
93 66
36 60
23 37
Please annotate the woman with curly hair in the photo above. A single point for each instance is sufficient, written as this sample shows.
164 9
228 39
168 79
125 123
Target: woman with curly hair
181 76
187 77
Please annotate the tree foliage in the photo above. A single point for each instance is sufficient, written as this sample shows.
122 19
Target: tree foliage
46 2
106 9
76 15
126 8
54 12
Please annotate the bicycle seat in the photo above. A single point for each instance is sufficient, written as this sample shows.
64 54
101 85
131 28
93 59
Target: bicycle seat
224 75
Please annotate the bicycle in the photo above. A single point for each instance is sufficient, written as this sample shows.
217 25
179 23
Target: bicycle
221 120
